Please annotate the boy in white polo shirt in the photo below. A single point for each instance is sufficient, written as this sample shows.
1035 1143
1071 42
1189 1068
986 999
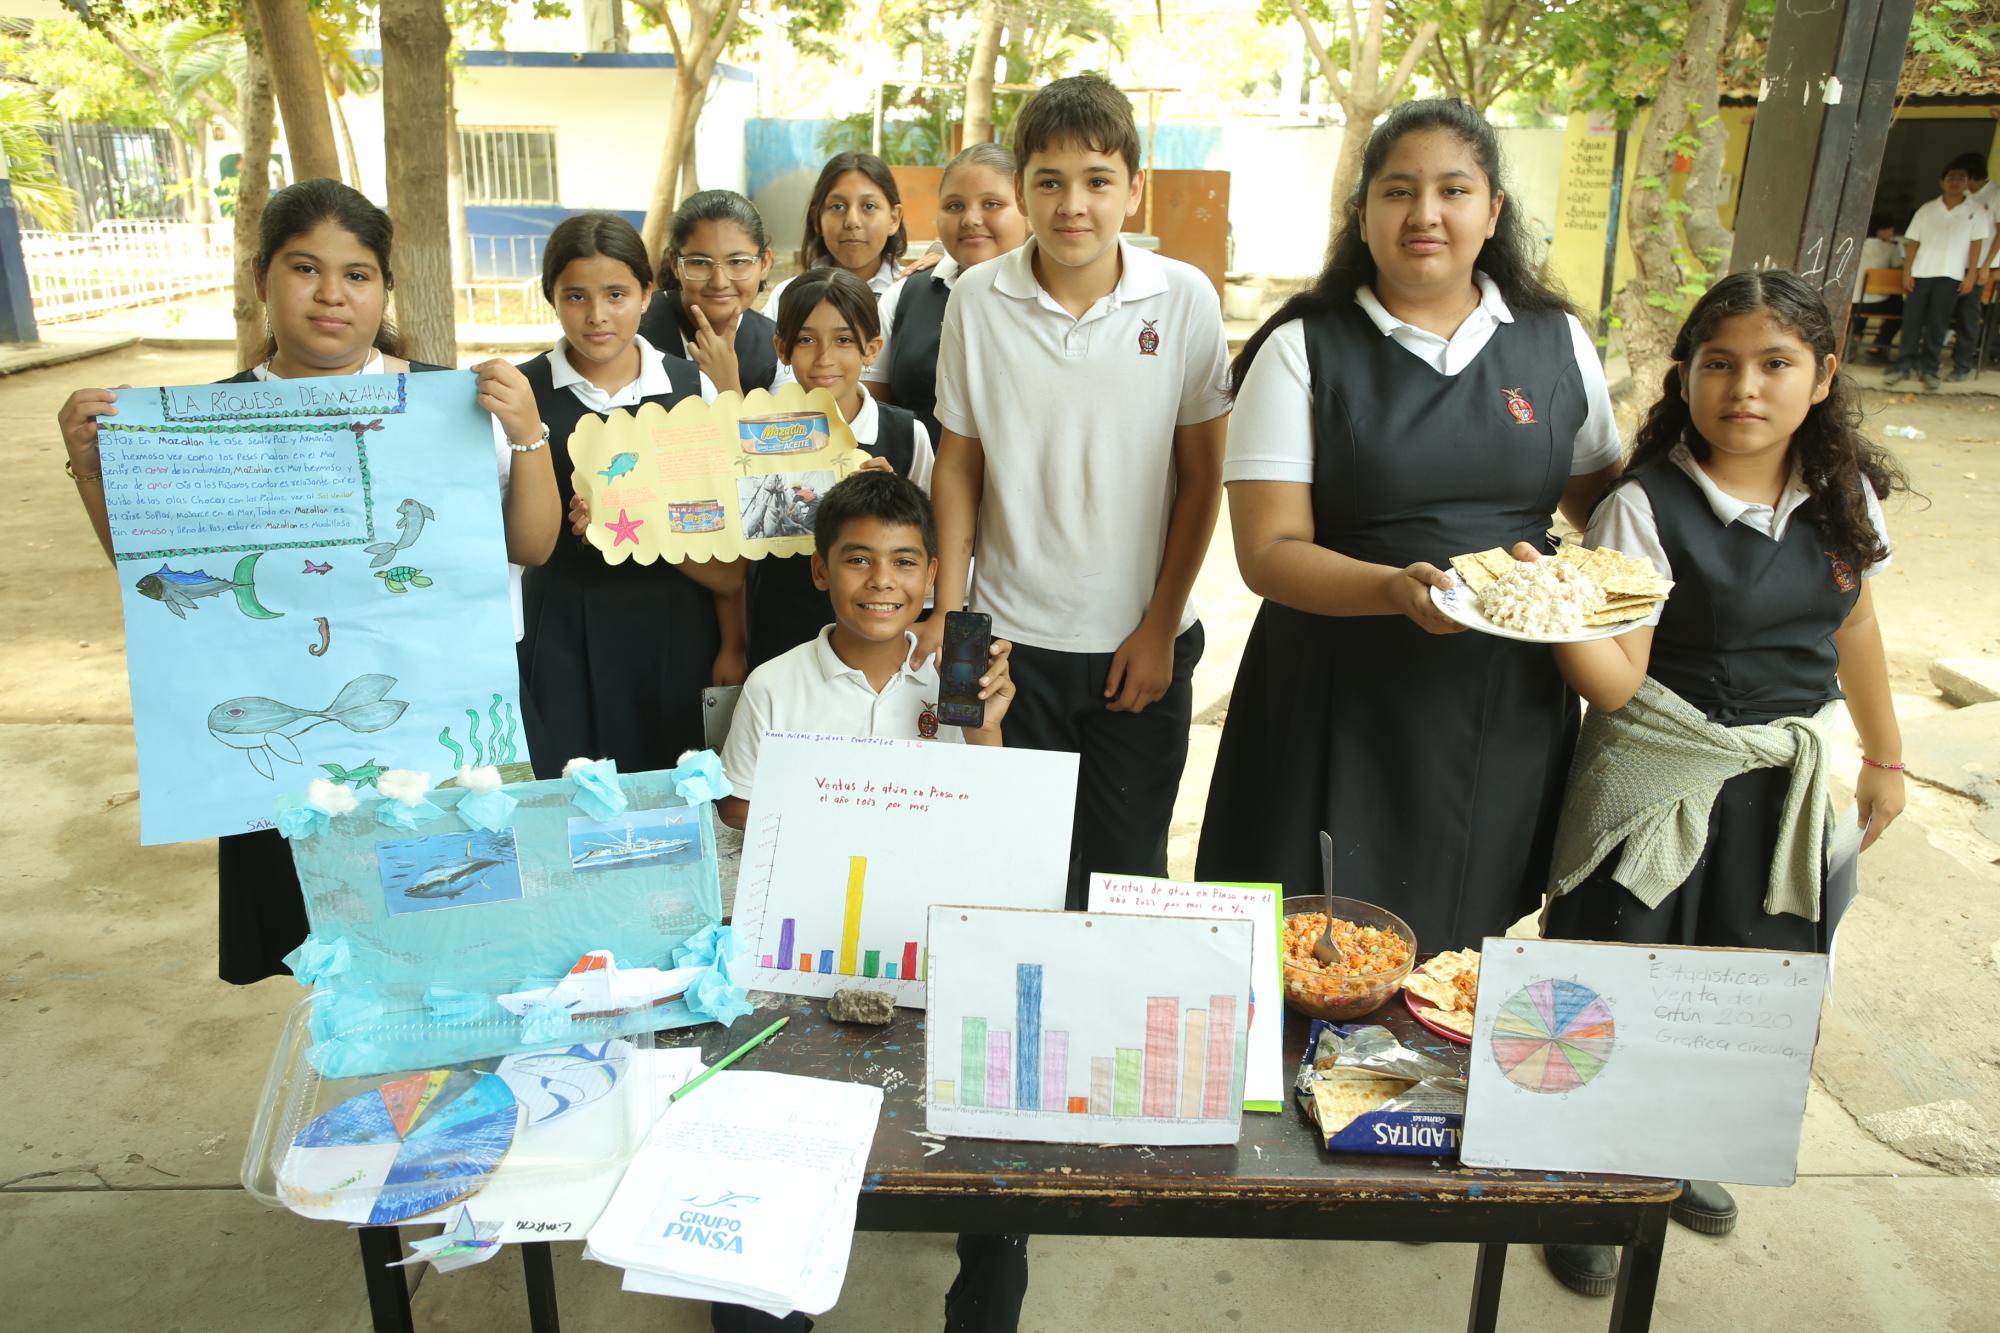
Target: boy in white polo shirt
875 555
1082 388
1945 241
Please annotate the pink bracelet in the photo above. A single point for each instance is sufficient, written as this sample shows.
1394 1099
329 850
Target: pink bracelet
1877 763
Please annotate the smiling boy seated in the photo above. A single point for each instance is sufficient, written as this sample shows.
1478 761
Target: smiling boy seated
875 555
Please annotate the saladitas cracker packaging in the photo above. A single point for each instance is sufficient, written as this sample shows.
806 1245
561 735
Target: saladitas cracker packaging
1369 1093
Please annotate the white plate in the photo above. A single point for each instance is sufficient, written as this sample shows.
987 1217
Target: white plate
1458 604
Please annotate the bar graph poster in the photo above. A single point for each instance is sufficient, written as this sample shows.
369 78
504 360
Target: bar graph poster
1263 906
1073 1027
853 838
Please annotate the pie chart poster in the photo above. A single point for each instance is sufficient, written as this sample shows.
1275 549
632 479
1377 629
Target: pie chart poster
1642 1060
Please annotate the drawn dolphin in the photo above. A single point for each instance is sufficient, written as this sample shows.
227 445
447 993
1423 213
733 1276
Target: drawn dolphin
414 514
265 729
452 880
620 465
178 589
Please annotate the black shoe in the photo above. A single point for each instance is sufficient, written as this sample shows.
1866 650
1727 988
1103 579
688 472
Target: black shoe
1896 375
1587 1270
1932 382
1960 376
1706 1207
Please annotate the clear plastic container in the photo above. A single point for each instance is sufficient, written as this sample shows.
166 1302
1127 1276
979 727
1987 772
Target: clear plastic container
1343 996
411 1144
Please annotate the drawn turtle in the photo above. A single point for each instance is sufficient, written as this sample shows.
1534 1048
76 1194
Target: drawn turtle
402 578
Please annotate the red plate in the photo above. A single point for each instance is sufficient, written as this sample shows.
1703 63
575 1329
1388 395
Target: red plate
1420 1009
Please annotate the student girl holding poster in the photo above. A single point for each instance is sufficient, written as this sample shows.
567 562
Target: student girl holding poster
1429 395
854 221
323 273
978 219
716 261
1754 490
618 655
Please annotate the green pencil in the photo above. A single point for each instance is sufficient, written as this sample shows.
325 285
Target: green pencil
727 1060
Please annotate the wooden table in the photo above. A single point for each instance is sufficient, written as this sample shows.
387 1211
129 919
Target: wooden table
1276 1183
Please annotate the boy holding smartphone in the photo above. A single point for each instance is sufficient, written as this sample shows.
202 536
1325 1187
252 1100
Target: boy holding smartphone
1082 387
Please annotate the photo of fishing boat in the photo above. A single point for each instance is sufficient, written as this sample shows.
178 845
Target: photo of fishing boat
666 837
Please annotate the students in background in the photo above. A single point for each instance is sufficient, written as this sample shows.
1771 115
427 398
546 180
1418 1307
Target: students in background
978 218
1754 490
854 221
617 655
1968 312
1428 396
1882 249
324 274
1944 244
828 332
1080 384
716 260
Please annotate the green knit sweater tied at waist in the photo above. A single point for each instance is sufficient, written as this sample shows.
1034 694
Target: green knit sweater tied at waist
1647 775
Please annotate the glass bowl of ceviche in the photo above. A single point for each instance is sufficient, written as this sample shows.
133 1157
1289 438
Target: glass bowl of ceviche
1377 951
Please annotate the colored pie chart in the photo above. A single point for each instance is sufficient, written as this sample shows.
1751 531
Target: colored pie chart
1553 1036
408 1147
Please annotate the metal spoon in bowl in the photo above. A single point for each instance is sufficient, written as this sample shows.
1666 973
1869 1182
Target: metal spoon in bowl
1324 949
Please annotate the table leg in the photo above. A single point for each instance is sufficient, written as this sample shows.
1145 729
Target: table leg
538 1267
1639 1274
1486 1279
388 1294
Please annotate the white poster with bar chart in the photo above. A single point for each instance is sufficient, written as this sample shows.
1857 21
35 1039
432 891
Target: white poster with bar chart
851 840
1076 1027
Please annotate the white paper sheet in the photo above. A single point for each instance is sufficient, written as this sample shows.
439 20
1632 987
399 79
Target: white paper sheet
530 1202
1073 1027
1264 1078
852 839
745 1192
1642 1059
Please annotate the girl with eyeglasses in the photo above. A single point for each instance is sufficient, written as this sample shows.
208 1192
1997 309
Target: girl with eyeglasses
716 261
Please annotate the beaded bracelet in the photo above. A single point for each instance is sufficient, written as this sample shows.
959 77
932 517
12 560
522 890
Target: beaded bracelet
1877 763
540 443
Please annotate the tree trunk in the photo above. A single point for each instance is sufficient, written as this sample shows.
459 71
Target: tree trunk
297 79
353 161
461 236
253 187
1646 328
690 178
1709 240
415 111
1347 171
979 78
204 197
183 172
711 24
1362 94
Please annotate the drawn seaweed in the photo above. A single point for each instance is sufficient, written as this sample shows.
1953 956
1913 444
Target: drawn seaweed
498 747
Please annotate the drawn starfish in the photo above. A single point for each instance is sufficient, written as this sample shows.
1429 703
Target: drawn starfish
625 529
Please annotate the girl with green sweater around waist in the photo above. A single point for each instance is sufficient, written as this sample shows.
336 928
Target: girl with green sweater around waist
1698 809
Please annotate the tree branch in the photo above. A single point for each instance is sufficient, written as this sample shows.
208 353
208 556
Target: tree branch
1408 64
1318 48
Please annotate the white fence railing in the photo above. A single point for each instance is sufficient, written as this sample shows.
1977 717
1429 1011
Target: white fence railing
122 264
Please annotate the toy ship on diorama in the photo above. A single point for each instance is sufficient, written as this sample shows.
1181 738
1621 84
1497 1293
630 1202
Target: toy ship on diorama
598 988
633 848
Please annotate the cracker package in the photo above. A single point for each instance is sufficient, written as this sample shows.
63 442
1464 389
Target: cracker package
1369 1093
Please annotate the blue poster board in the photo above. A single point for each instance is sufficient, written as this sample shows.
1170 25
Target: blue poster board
314 578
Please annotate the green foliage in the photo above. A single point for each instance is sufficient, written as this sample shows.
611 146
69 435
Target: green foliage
38 192
79 71
1956 37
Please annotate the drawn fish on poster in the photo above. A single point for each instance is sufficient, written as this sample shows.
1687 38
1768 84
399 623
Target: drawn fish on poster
179 589
413 514
266 730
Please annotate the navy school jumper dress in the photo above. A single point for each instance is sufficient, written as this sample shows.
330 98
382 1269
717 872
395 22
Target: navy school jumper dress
1435 761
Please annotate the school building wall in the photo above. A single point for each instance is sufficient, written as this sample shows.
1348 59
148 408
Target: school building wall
1281 177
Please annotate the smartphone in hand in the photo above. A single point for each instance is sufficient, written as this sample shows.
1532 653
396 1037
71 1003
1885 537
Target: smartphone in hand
968 641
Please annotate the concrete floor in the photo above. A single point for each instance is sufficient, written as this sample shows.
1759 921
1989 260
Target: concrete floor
133 1073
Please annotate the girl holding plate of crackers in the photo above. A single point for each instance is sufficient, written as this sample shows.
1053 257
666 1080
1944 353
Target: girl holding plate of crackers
1428 395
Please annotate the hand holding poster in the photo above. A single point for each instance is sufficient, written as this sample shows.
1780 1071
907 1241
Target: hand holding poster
739 477
314 577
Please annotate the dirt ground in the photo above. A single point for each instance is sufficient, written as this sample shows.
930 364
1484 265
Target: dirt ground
127 1143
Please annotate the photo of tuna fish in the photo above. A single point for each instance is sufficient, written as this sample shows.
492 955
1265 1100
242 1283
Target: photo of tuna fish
666 837
465 869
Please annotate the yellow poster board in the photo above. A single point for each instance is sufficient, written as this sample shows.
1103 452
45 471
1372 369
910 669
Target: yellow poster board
739 477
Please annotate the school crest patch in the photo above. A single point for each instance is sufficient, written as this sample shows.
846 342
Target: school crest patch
1149 339
1522 410
927 723
1843 573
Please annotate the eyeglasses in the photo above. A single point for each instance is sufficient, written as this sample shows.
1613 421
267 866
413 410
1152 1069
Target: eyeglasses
700 268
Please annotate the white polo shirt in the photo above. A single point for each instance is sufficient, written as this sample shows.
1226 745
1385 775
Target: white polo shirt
884 279
1271 433
1624 520
810 689
1076 418
1945 237
945 271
